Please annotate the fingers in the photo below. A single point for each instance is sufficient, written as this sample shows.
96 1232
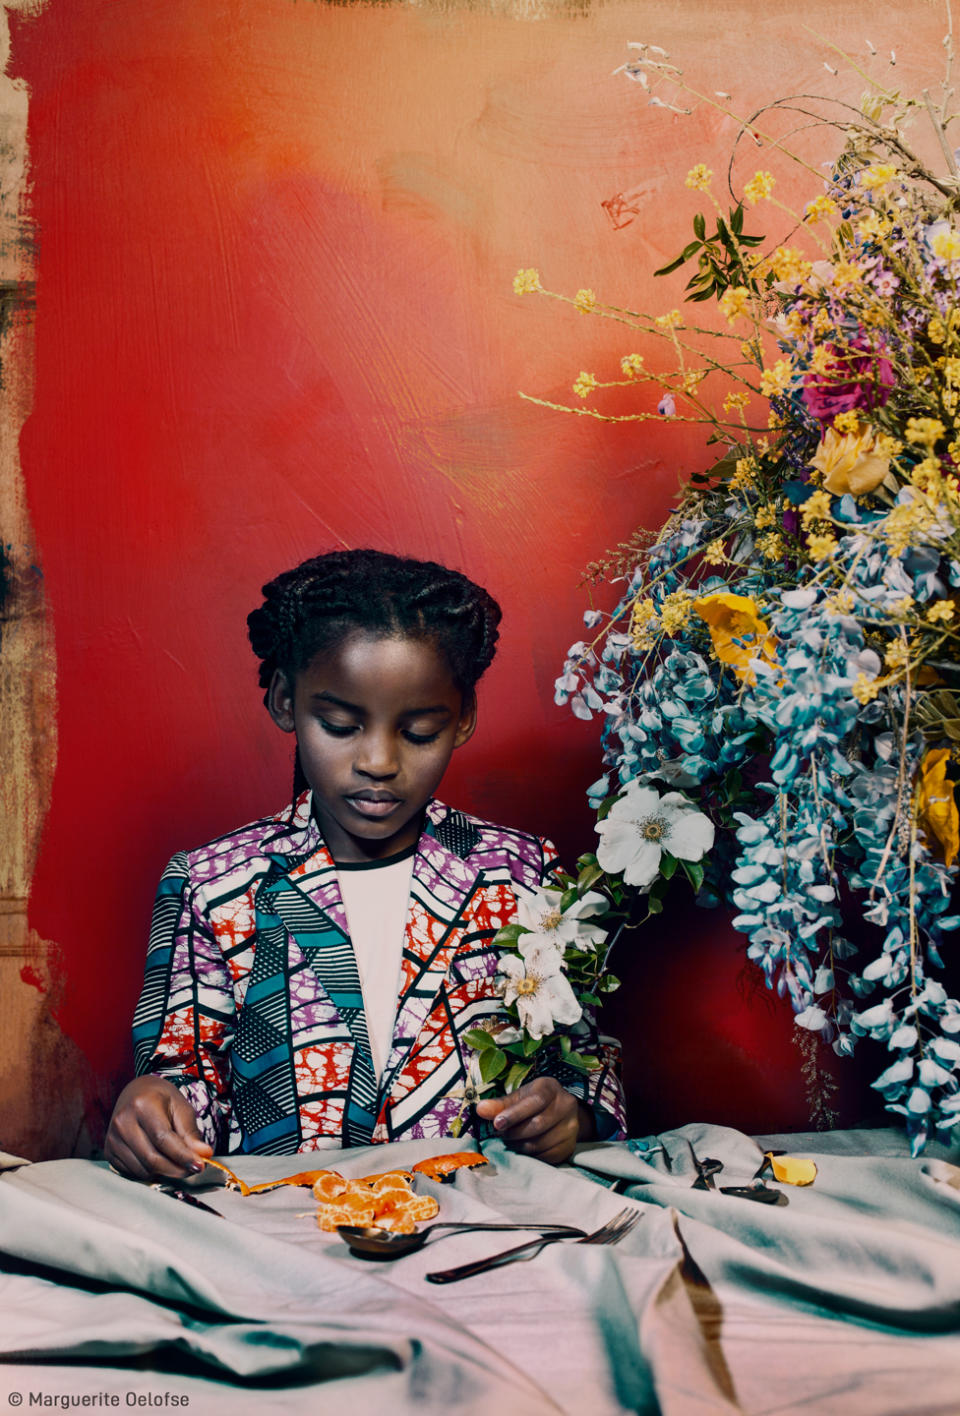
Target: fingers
540 1119
154 1132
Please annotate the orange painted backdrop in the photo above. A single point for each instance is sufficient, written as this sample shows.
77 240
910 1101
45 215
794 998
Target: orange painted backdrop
274 315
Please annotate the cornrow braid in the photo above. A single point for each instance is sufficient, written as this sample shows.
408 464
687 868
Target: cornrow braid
314 607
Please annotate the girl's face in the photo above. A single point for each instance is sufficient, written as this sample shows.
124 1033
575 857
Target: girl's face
377 720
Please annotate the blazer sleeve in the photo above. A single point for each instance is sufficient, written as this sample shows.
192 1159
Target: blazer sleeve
184 1022
601 1089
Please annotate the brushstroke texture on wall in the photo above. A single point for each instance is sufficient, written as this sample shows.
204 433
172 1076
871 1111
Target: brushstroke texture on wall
275 245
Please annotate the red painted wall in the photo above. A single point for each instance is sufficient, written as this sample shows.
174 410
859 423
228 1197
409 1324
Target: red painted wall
274 315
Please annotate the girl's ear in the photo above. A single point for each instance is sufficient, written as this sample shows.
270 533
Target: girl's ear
467 723
280 701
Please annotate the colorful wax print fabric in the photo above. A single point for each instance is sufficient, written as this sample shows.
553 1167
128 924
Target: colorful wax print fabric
252 1005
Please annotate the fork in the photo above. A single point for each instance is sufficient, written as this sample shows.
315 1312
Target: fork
612 1232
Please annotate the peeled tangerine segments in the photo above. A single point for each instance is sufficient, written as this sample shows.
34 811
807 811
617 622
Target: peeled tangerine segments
791 1169
330 1217
328 1185
387 1177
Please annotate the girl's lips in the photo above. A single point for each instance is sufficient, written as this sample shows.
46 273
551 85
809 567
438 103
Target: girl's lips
374 806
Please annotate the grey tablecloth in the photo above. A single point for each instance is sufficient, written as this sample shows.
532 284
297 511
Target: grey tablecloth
846 1301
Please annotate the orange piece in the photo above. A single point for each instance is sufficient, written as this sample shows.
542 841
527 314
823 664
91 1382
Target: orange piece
304 1177
233 1181
445 1167
330 1217
328 1186
388 1177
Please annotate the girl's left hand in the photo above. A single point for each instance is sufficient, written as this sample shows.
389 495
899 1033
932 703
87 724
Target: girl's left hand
540 1118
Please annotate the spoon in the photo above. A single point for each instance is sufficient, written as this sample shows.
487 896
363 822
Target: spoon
372 1242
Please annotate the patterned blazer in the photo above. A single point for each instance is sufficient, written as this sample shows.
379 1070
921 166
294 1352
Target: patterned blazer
251 1002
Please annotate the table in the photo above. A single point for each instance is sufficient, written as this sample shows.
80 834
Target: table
845 1301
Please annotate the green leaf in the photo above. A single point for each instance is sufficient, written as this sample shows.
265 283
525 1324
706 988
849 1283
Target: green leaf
510 933
590 998
587 876
654 906
608 983
736 219
456 1126
515 1076
700 225
693 870
668 865
479 1039
688 251
669 269
582 1061
492 1063
568 898
531 1045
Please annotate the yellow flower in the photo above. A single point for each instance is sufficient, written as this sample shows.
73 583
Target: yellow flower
815 508
759 188
941 612
525 282
698 177
737 631
771 546
714 554
584 383
788 264
735 301
673 320
819 209
865 690
675 613
903 606
842 603
821 547
897 654
821 360
744 473
924 430
877 175
946 246
632 365
776 380
736 401
765 516
936 806
845 274
643 625
936 330
850 463
873 227
585 300
847 422
821 321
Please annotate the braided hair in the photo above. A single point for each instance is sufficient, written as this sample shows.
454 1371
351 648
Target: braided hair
317 605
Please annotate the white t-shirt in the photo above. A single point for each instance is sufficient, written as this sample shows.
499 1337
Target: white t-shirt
375 896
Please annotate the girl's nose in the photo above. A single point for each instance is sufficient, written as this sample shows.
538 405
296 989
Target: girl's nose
376 755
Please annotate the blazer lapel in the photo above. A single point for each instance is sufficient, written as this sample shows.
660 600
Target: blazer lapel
442 886
306 900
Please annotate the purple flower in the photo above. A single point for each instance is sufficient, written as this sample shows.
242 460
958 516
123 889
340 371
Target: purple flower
667 407
855 381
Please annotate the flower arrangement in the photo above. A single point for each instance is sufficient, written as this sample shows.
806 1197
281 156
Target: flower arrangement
778 684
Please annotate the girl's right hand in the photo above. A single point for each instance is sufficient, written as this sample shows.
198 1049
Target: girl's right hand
154 1132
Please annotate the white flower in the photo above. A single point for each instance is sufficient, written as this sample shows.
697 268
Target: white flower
540 912
535 983
642 825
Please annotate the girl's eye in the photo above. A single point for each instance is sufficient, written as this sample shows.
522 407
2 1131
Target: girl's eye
337 729
421 738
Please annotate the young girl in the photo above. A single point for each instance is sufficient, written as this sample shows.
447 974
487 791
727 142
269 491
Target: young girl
310 977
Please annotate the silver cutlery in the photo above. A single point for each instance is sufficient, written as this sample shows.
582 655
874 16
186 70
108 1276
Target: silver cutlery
372 1242
612 1232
